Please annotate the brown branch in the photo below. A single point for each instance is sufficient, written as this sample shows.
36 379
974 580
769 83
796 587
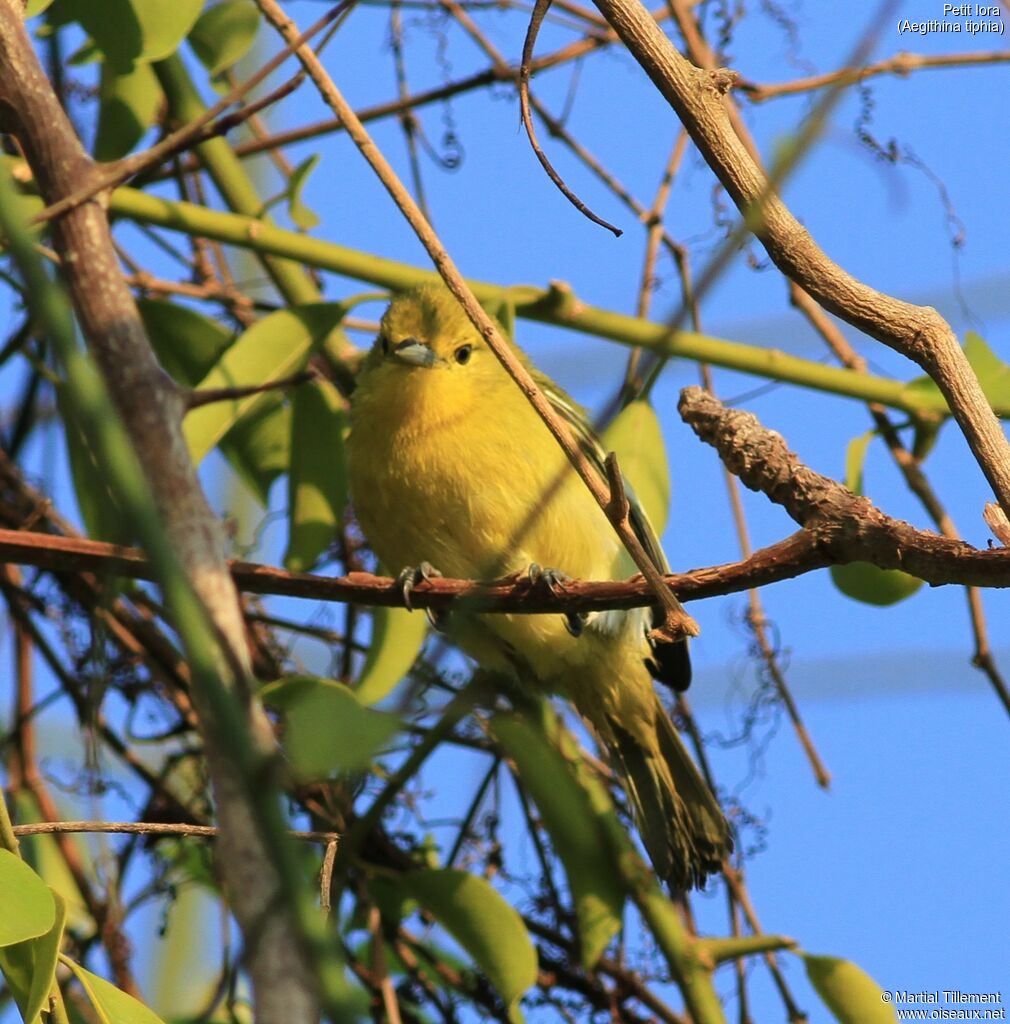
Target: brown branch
540 9
208 396
919 333
901 64
149 828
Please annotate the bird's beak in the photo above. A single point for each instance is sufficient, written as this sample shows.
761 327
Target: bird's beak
416 353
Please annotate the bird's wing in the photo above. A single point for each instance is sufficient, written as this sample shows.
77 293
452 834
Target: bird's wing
669 662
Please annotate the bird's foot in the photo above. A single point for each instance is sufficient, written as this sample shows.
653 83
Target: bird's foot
409 578
554 580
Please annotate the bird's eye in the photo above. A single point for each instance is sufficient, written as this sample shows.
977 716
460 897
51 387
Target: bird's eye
462 354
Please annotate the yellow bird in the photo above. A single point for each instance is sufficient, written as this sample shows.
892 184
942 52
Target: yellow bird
450 465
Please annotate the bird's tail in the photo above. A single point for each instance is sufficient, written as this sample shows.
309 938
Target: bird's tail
681 823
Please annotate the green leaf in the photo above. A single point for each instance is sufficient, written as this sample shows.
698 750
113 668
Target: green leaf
224 34
993 374
327 728
43 855
551 778
259 447
100 509
301 216
127 31
397 638
129 102
870 584
186 343
30 966
480 920
112 1005
636 439
503 309
36 7
273 348
28 905
25 204
848 991
863 581
317 479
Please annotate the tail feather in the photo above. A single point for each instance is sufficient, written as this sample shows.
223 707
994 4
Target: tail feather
680 821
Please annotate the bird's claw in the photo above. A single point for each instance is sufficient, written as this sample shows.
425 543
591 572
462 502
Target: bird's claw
409 578
554 580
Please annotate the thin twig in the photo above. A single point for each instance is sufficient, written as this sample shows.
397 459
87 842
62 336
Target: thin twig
540 9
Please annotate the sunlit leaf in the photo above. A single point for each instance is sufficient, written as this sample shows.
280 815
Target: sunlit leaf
44 856
129 102
328 729
188 344
848 991
112 1005
397 638
636 439
480 920
29 967
127 31
317 478
571 821
300 214
993 374
863 581
28 905
272 349
224 34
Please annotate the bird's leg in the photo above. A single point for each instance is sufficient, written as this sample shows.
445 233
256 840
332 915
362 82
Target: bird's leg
554 580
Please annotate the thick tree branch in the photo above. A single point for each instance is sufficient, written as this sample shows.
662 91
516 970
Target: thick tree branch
918 332
151 409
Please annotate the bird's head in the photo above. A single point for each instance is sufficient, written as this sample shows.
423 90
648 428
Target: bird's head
429 357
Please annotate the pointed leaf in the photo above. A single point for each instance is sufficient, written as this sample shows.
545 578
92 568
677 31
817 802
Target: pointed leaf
259 447
848 991
327 727
637 439
127 31
224 34
273 348
28 905
397 638
480 920
129 102
860 580
112 1005
993 374
301 216
100 509
571 821
186 343
317 479
30 967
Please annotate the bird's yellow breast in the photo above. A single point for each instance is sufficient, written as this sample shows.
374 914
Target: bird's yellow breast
478 496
